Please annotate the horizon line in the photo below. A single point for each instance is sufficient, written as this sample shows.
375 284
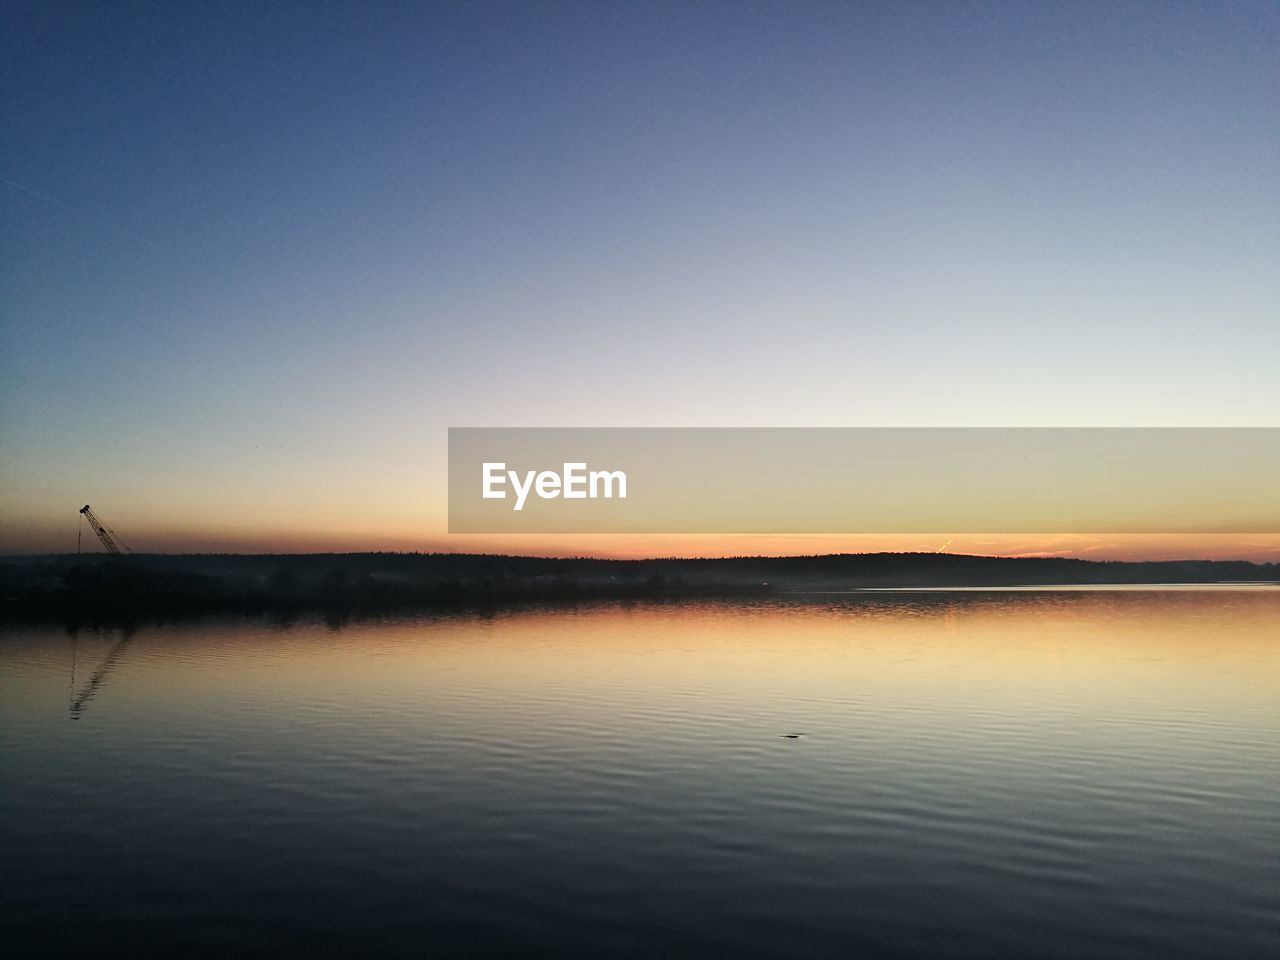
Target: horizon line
669 558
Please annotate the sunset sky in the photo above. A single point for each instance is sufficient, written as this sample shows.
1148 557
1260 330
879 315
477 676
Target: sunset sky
256 259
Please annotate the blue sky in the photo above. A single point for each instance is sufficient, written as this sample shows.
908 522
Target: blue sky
254 259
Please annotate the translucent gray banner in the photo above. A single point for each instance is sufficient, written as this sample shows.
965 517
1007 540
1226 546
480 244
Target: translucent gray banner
864 480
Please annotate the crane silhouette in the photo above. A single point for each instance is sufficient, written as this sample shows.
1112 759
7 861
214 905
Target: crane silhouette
108 537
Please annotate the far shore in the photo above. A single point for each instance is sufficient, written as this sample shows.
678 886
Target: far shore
147 584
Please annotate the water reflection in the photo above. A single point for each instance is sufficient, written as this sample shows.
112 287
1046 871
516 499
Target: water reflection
1048 774
76 700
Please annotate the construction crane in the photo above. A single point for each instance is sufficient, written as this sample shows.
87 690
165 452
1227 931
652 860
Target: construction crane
106 536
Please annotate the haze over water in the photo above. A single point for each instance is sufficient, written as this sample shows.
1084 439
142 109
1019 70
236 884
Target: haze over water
1045 773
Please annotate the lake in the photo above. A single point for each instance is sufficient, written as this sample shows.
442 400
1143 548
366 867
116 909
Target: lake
1047 773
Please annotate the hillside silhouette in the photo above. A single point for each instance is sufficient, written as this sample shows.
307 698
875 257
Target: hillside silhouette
225 582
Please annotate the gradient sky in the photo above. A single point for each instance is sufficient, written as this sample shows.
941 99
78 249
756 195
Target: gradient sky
256 258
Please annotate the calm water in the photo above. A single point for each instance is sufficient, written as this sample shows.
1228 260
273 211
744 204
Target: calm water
1037 773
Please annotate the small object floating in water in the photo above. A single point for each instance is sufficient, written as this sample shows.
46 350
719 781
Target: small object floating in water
790 736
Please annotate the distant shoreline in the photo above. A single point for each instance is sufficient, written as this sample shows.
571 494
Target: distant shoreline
158 584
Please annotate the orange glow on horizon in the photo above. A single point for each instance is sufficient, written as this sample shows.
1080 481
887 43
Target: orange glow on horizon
342 538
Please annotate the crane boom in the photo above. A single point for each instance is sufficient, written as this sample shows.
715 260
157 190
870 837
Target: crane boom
103 533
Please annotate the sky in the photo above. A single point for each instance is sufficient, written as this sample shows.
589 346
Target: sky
255 259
